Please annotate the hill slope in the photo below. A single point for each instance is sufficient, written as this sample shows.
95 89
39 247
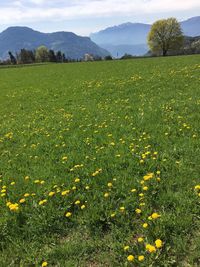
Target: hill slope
74 46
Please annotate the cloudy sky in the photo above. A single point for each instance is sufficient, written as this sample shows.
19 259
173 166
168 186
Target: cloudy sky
86 16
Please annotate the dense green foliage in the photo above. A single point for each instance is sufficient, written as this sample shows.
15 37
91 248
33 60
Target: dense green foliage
165 36
89 151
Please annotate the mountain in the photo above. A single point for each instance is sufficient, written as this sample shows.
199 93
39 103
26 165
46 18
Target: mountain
131 38
15 38
191 27
124 34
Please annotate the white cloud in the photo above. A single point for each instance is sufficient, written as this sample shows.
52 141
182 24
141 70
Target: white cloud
25 11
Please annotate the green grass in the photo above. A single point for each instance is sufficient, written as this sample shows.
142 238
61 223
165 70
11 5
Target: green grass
101 122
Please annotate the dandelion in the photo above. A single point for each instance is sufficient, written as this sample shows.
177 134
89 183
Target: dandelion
14 207
22 200
133 190
130 258
44 264
51 194
126 248
68 214
42 202
141 258
138 211
77 180
106 195
83 207
110 185
77 202
140 239
158 243
155 216
122 209
145 225
150 248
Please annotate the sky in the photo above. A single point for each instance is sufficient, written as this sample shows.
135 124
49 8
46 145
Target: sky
86 16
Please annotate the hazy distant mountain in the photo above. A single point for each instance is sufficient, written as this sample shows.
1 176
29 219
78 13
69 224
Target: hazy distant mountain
191 27
132 37
74 46
124 34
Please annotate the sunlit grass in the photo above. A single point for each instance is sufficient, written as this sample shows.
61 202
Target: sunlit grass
100 163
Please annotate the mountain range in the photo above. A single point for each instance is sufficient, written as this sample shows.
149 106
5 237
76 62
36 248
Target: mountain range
131 38
75 47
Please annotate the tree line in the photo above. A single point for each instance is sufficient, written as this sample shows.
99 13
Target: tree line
40 55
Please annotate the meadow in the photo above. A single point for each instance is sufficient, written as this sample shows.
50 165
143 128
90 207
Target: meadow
99 164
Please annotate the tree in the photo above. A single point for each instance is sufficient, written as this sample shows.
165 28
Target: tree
52 56
26 56
59 56
12 58
165 35
108 57
42 54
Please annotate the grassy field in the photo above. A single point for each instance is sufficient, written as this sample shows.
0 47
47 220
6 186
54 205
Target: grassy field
99 164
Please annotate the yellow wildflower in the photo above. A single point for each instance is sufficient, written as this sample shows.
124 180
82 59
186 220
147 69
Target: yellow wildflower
22 200
68 214
155 216
140 258
126 248
51 194
158 243
130 258
138 211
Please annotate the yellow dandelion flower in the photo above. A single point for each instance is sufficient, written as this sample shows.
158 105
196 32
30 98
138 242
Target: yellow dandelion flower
51 194
126 248
150 248
130 258
138 211
77 202
141 258
155 216
140 239
22 200
158 243
145 225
